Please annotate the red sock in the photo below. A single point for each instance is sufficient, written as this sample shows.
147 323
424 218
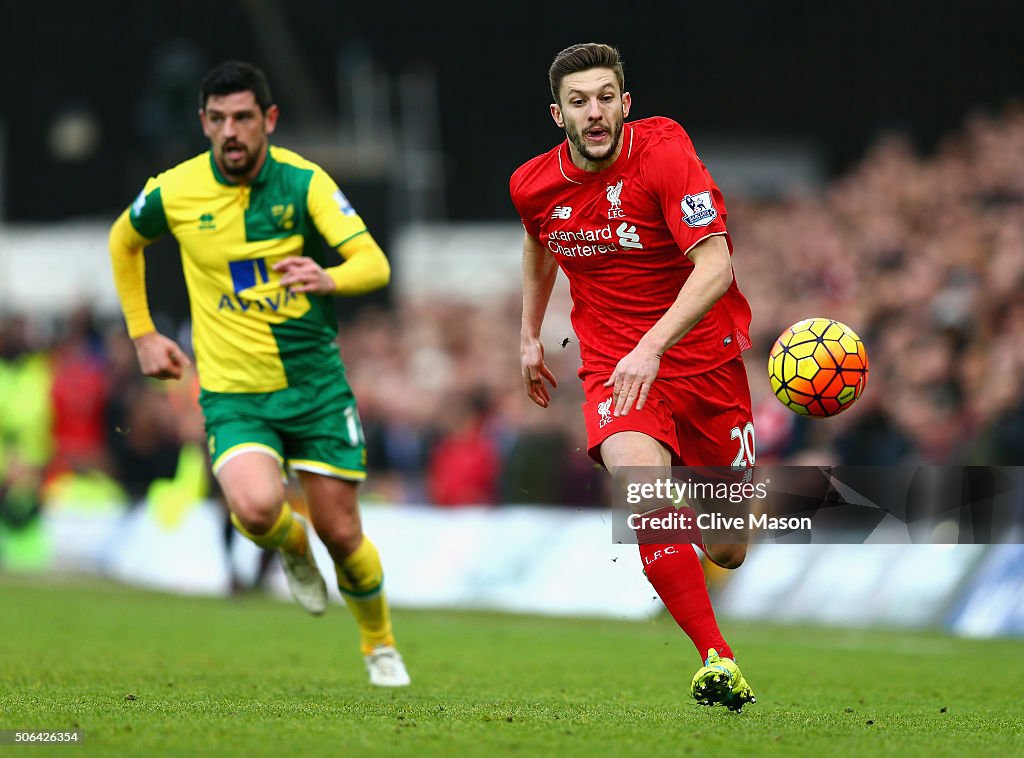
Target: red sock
678 578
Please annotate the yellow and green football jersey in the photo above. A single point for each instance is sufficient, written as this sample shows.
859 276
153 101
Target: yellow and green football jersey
249 333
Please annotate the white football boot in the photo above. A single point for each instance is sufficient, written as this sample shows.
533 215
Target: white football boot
386 667
304 579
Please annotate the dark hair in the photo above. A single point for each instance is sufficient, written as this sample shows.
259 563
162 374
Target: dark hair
583 57
236 76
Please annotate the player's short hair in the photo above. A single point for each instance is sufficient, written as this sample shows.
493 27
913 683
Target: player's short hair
583 57
230 77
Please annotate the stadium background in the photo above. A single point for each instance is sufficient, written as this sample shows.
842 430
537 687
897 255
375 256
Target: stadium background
872 174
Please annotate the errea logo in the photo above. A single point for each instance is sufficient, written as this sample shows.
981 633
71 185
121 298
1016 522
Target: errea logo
206 222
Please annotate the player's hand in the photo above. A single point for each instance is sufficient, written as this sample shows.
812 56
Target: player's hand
632 379
531 356
160 357
300 273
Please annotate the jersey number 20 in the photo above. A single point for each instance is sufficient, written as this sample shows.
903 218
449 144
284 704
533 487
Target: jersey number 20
745 455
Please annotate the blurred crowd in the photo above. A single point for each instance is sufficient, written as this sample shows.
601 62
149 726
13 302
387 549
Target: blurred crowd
77 418
922 256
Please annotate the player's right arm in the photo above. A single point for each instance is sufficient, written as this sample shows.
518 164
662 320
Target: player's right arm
158 356
539 272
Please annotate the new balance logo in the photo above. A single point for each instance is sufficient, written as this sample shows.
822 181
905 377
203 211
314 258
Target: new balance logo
562 211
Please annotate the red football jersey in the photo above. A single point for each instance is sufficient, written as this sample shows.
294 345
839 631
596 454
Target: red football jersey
622 234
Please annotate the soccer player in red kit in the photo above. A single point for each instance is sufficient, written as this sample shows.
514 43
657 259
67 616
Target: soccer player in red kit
631 215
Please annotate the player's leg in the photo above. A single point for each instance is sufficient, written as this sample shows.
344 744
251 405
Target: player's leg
715 429
726 555
725 547
247 456
334 509
673 570
326 448
643 444
252 483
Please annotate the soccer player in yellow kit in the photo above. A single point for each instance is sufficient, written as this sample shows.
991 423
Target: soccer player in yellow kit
249 218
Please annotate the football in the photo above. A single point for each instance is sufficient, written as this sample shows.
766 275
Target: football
818 367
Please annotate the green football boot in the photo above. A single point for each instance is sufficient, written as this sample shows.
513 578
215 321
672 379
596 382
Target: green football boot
720 682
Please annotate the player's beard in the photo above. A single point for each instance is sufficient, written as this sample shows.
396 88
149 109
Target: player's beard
576 138
241 169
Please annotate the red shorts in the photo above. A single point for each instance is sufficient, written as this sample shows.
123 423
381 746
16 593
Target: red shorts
705 420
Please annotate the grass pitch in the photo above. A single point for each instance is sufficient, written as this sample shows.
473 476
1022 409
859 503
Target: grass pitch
149 674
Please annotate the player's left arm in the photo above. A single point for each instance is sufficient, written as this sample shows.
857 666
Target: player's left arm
364 268
707 282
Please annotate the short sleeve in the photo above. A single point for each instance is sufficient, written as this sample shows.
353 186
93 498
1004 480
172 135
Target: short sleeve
522 206
147 214
332 213
691 203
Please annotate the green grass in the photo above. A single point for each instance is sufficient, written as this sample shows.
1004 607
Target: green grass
149 674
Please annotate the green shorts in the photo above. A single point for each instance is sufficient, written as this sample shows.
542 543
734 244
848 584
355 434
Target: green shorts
313 427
